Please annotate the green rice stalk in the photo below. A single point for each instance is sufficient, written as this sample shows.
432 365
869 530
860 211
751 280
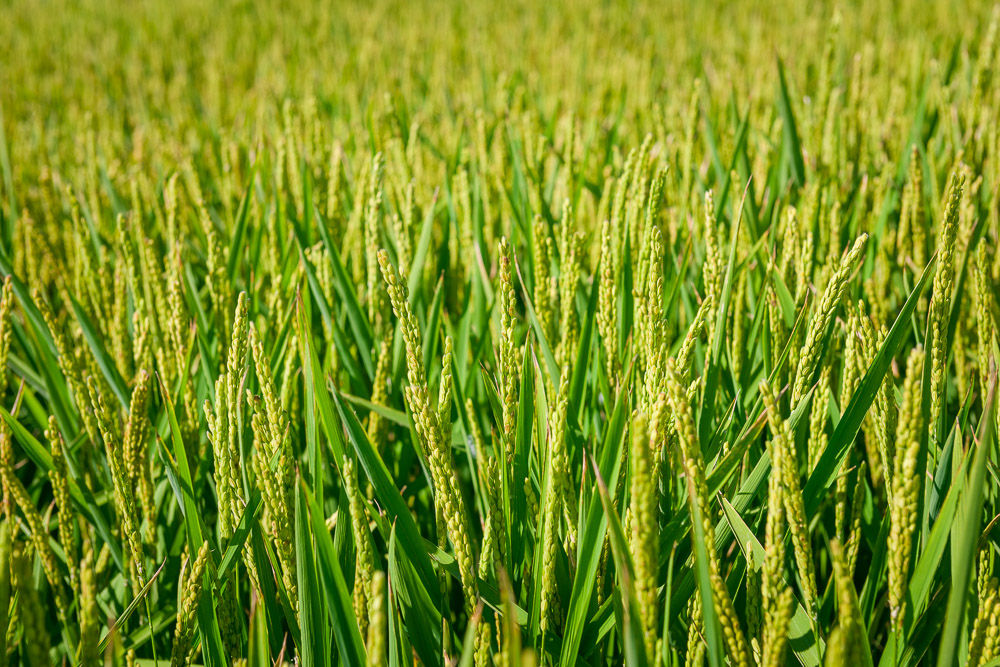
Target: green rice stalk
792 495
183 650
364 560
940 307
903 510
833 295
694 469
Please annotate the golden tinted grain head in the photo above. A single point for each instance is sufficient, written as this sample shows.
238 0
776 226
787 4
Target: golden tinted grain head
524 290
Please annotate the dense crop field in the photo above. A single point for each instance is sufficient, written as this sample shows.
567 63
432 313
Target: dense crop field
499 333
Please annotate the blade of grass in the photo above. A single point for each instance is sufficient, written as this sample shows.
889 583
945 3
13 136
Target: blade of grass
81 495
240 224
340 606
966 533
592 537
828 466
387 494
122 619
420 613
801 639
631 628
790 134
104 361
312 606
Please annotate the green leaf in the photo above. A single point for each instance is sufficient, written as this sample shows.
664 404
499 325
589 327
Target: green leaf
208 625
635 650
397 417
965 533
346 292
274 600
259 652
82 498
236 241
312 606
240 536
420 613
122 619
363 347
802 641
579 376
707 415
550 361
923 576
828 466
189 505
338 598
591 538
387 494
5 588
104 360
514 497
7 237
420 256
469 642
789 132
314 454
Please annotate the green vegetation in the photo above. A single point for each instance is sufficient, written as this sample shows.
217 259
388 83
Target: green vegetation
499 333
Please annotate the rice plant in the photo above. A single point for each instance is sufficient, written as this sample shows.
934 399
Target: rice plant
499 334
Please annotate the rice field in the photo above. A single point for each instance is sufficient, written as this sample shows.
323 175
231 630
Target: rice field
495 334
